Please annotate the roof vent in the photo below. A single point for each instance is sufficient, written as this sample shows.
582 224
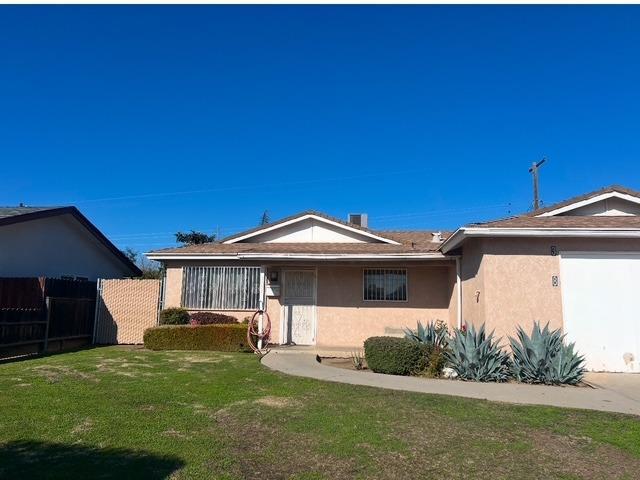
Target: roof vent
359 219
437 237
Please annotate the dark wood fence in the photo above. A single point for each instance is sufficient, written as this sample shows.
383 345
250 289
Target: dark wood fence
45 314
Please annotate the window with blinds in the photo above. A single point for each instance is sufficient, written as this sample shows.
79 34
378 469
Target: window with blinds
221 288
385 285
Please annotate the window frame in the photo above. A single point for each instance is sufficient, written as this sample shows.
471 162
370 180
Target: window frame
250 308
386 269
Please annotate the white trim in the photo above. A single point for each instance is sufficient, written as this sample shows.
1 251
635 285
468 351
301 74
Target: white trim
255 233
298 256
589 201
597 253
458 237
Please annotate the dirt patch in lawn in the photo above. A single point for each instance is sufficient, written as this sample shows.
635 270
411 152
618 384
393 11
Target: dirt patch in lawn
579 456
83 427
54 373
125 368
171 433
523 454
265 451
278 402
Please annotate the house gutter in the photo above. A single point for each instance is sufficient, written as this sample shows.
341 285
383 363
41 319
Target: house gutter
459 292
467 232
294 256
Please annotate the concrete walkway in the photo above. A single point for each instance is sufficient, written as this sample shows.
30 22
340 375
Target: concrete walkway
613 393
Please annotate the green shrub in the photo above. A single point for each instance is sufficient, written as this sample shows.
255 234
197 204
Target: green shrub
436 336
543 357
395 356
224 338
473 355
211 318
435 363
174 316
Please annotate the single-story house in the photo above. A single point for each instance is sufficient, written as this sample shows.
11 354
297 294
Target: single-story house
57 242
331 283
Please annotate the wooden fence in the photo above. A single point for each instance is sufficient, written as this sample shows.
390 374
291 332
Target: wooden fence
45 314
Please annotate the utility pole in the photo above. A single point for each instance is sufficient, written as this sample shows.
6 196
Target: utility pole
534 173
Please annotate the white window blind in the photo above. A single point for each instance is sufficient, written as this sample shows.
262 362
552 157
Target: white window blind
221 288
383 284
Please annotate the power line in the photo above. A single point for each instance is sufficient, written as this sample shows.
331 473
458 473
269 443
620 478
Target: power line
242 187
380 219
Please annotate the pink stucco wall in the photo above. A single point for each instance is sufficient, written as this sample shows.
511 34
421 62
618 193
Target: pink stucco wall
344 319
508 281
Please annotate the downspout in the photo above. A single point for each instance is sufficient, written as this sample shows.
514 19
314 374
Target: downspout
459 292
262 303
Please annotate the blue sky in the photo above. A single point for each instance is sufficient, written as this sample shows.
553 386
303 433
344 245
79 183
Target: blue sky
158 119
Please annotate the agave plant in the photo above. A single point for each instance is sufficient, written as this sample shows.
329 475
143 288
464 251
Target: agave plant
474 355
543 357
434 334
357 359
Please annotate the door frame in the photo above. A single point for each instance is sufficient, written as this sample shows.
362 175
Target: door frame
283 315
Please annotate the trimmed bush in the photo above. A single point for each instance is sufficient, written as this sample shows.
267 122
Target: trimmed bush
211 318
223 338
174 316
395 356
435 335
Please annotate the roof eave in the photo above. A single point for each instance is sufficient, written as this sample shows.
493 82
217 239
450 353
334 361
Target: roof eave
461 234
296 256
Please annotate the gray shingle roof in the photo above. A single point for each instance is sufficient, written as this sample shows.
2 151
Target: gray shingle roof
15 211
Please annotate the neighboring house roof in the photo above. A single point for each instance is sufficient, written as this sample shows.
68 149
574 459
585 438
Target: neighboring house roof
13 215
14 211
407 244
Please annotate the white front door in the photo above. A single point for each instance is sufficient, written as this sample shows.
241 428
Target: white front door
601 308
299 307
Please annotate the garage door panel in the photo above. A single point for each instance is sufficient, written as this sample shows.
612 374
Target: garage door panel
601 305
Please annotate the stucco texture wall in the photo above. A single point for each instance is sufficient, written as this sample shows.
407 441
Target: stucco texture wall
514 279
346 320
343 318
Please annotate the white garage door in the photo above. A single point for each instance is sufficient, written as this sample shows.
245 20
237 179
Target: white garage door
601 308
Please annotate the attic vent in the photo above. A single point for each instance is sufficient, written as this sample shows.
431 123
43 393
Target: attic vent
359 219
437 237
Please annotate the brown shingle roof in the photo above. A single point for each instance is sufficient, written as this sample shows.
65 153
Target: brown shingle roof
531 220
410 242
586 196
603 221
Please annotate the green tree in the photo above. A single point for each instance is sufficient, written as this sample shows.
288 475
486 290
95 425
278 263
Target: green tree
194 238
131 254
266 218
149 268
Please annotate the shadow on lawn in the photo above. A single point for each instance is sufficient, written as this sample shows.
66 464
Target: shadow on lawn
31 459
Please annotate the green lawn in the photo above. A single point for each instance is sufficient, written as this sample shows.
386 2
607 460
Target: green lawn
129 413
